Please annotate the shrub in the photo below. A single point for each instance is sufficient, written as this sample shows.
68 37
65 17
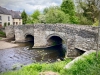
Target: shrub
5 24
8 23
2 34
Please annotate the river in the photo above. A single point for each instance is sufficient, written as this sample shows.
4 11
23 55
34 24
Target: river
24 55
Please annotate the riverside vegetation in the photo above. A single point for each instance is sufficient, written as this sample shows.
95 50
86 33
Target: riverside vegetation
2 34
89 66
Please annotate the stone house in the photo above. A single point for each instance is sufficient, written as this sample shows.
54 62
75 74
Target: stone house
9 17
16 17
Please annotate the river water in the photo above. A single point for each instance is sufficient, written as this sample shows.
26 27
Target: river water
24 54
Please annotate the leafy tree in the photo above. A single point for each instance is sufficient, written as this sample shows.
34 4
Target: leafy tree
29 20
35 16
88 9
54 15
69 8
51 7
42 18
24 17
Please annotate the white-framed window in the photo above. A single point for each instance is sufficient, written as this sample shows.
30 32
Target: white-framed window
0 18
8 18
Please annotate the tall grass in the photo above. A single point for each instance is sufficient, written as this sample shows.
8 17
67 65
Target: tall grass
89 66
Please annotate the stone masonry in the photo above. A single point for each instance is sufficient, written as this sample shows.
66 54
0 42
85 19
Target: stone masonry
75 36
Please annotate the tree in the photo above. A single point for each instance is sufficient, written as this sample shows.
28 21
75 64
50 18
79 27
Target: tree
35 16
24 17
51 7
42 18
89 9
68 7
29 20
54 15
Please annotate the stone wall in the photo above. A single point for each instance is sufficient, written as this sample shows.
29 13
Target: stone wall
22 31
75 36
10 31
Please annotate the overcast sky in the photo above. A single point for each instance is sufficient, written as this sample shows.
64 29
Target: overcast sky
28 5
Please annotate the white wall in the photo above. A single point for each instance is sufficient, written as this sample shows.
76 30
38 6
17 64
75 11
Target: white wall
19 21
4 18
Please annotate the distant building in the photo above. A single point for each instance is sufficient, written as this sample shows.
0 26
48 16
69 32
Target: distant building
9 17
16 17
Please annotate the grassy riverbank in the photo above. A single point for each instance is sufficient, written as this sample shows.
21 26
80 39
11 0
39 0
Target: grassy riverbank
89 66
35 69
2 34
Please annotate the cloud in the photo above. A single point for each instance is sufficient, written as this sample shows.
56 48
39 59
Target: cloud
28 5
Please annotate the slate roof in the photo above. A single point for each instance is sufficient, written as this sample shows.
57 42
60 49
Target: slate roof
14 14
4 11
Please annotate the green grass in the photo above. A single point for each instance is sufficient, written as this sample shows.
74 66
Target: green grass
36 68
89 66
0 38
2 34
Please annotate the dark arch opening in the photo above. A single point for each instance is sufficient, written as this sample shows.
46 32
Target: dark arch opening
59 45
54 40
30 40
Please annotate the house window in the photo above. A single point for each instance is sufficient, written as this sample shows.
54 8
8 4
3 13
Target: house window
8 23
16 23
8 18
0 24
0 18
13 23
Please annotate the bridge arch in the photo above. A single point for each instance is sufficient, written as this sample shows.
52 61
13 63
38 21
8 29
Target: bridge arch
29 37
55 39
59 42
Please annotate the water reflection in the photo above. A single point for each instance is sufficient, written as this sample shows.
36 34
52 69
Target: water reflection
25 55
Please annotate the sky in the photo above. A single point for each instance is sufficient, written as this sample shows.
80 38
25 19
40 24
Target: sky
29 5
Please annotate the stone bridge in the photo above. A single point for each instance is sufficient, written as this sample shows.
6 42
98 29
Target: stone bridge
75 37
